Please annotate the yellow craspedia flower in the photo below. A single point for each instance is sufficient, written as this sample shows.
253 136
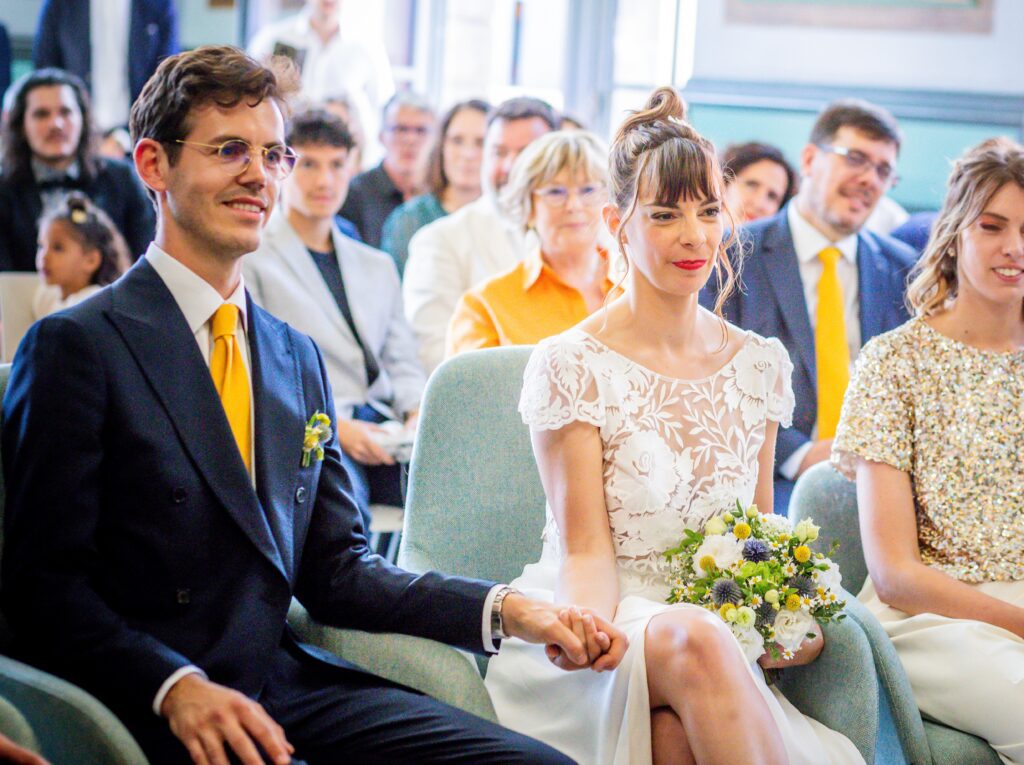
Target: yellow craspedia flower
793 602
707 562
741 530
801 553
727 612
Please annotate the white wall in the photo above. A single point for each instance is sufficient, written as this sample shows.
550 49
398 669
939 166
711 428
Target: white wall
981 63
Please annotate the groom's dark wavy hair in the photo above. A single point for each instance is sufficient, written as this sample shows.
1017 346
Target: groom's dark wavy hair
221 75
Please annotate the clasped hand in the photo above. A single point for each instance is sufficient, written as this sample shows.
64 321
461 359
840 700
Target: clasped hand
575 638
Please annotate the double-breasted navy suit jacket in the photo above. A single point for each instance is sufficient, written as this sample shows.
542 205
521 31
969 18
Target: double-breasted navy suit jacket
770 301
135 542
63 39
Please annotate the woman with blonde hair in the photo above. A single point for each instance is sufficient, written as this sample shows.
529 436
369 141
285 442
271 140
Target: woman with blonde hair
648 418
556 191
932 430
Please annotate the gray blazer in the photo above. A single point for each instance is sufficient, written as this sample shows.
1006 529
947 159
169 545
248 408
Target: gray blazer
283 279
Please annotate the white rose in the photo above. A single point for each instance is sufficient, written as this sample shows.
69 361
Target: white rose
774 525
806 531
725 550
750 641
830 578
791 628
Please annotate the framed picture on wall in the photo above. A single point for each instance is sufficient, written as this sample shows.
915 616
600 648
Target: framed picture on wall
951 16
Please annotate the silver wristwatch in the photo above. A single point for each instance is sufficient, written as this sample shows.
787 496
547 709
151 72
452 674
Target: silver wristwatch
497 627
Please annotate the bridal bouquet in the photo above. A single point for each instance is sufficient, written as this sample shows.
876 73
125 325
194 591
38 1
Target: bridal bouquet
761 576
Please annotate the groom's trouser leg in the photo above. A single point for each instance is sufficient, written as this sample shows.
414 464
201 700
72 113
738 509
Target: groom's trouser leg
337 716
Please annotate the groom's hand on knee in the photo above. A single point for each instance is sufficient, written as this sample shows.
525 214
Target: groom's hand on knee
206 716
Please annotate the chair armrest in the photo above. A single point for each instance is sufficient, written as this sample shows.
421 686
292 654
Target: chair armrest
839 688
905 713
438 670
70 725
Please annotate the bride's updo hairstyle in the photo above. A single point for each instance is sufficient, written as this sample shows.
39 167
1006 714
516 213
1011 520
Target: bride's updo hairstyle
657 155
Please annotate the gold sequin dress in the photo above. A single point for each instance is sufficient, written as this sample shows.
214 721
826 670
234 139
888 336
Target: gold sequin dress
952 417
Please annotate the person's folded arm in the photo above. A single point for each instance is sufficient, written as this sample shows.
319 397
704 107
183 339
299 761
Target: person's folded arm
398 354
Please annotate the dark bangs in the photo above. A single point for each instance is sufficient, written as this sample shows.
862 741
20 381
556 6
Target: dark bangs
679 169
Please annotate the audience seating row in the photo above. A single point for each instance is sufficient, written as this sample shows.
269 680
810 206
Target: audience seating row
476 508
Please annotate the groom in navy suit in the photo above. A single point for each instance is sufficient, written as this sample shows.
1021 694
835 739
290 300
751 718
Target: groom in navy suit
159 522
846 167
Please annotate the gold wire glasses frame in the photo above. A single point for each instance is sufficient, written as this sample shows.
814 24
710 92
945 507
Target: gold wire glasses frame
236 155
859 161
590 195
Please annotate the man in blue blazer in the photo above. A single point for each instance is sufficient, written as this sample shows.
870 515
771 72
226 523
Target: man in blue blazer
65 36
846 167
157 525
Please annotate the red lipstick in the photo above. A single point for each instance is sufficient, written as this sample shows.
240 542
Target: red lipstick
689 265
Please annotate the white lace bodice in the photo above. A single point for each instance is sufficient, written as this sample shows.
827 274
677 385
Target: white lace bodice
675 451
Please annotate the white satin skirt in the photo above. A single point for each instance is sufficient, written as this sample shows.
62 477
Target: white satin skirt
605 719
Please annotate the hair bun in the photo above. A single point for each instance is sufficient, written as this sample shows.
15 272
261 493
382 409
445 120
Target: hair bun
665 107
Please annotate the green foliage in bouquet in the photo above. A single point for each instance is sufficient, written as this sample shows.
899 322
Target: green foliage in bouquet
761 576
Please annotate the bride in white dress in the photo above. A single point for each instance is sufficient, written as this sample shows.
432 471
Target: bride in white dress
648 418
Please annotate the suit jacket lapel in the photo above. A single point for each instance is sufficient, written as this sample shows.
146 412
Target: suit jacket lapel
781 270
873 288
290 249
280 427
155 331
353 277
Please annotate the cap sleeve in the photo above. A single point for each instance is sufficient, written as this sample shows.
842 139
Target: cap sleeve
781 401
876 423
559 386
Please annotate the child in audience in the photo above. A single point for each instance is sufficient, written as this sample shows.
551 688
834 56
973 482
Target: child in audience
80 251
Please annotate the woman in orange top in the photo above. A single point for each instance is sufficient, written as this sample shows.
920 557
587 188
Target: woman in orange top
556 190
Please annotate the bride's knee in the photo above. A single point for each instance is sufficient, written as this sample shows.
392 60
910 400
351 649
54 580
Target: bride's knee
693 643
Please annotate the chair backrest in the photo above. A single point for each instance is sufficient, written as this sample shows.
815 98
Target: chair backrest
17 290
475 505
831 500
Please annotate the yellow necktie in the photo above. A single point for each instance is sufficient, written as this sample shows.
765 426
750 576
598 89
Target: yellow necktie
832 354
230 378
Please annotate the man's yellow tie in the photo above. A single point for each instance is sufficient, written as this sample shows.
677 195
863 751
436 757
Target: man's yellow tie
230 378
832 354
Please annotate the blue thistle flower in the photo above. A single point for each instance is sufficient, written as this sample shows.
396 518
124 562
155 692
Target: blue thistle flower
765 615
756 550
726 591
802 585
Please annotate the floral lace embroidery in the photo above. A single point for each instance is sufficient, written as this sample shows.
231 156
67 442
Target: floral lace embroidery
675 451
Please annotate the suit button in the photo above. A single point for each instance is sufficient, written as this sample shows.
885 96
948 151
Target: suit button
178 494
183 597
300 494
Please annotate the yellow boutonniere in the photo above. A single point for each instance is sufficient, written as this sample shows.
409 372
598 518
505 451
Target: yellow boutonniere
318 433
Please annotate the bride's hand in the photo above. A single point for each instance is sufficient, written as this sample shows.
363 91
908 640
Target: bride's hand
605 643
809 651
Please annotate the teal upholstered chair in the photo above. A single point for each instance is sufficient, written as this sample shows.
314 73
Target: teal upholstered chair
68 724
476 507
831 500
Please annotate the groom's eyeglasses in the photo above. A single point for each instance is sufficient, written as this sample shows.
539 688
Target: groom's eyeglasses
236 155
